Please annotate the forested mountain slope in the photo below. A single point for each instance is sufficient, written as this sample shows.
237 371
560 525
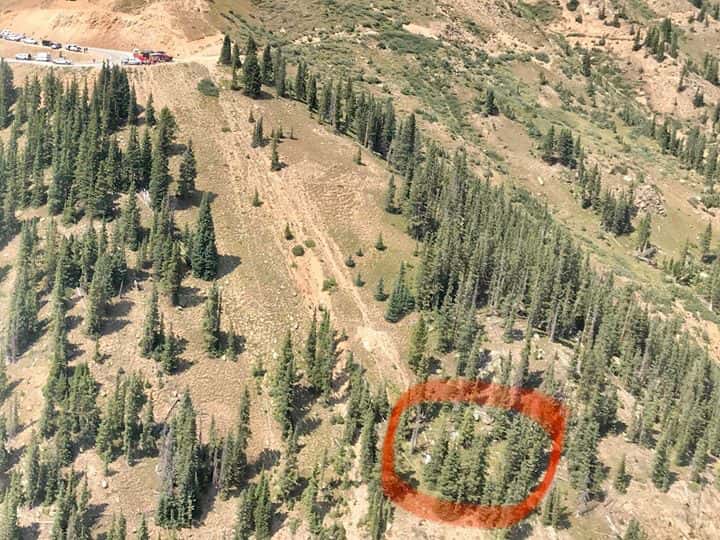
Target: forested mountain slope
218 275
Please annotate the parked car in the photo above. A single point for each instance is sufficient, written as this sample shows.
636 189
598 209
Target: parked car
62 61
14 37
45 42
131 61
55 45
23 56
43 57
73 48
29 40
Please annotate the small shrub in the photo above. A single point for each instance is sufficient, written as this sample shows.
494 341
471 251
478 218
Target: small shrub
309 243
379 244
350 262
207 88
298 250
329 285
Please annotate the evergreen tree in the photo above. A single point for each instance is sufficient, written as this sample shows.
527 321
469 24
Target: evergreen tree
284 387
275 164
152 336
150 118
634 531
622 478
262 513
252 76
211 322
379 293
418 359
660 472
401 300
142 530
204 257
225 52
188 173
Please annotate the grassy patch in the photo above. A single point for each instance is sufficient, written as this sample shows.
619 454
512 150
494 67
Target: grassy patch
208 88
404 42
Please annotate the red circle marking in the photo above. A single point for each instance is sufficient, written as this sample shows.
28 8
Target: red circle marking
543 409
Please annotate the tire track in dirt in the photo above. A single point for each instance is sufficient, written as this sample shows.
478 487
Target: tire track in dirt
285 198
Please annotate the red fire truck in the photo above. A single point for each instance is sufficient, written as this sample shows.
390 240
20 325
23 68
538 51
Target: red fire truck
151 57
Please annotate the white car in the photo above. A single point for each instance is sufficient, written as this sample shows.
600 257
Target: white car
29 40
131 61
74 48
14 37
62 61
23 56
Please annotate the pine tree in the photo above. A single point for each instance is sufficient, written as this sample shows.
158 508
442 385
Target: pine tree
211 322
634 531
188 173
401 300
204 257
244 524
379 293
660 472
150 118
283 390
262 513
548 146
258 138
586 65
130 219
142 530
418 344
450 482
256 202
152 337
643 233
252 76
368 445
379 244
622 478
268 71
491 108
169 352
159 175
275 164
390 207
225 53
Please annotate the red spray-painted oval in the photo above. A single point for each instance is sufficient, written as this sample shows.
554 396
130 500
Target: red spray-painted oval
543 409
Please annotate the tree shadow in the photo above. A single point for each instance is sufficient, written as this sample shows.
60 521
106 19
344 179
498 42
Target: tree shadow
227 264
189 297
9 389
15 456
110 326
30 531
267 459
534 379
306 425
120 309
177 148
95 512
4 271
278 519
521 531
264 96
